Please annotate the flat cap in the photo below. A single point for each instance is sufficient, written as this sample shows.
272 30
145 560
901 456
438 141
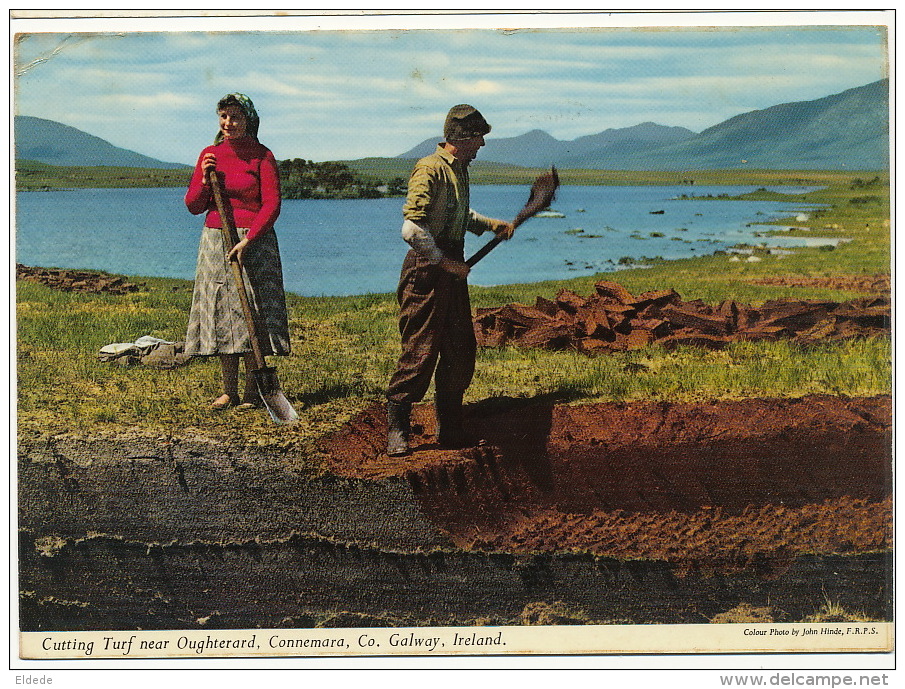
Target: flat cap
464 122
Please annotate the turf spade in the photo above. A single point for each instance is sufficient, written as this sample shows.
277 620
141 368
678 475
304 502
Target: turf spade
265 377
542 192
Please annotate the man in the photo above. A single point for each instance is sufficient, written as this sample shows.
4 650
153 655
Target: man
435 311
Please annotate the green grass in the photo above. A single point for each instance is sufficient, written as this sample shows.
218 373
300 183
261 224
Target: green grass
344 348
35 176
761 369
484 172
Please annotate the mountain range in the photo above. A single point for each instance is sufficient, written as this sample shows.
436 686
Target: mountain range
54 143
847 130
537 148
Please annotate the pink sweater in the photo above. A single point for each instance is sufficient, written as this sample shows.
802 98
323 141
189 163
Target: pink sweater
250 183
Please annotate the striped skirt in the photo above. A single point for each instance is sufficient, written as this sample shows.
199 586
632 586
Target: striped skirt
216 321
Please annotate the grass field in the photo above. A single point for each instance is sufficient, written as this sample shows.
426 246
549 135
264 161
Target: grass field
344 348
32 176
483 172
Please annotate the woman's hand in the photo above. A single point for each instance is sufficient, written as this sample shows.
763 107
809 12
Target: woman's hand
236 253
208 164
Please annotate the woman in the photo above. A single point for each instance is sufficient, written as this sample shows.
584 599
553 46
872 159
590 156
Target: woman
250 185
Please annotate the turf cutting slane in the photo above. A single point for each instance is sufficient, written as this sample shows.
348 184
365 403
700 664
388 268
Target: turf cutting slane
593 513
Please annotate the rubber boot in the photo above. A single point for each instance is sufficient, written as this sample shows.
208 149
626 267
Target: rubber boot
399 423
451 421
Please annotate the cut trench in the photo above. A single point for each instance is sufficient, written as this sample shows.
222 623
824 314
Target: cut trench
643 512
652 480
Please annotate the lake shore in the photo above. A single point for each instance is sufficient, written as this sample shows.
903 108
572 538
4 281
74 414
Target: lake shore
33 176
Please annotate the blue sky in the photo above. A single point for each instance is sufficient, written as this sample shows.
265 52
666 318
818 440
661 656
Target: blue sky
347 94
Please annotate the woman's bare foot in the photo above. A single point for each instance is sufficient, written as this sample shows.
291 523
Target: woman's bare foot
224 401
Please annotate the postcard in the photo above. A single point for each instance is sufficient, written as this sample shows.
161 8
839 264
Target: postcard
470 339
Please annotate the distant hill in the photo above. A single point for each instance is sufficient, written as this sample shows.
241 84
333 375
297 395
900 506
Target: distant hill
47 141
538 149
586 151
846 130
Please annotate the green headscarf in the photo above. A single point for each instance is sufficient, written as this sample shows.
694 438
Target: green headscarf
252 121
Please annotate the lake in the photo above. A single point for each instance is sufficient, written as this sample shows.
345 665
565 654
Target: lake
343 247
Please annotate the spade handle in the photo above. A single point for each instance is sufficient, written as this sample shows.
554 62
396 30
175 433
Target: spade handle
230 239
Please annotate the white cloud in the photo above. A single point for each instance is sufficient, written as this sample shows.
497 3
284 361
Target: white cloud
161 101
266 84
294 49
809 61
110 77
187 41
482 87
